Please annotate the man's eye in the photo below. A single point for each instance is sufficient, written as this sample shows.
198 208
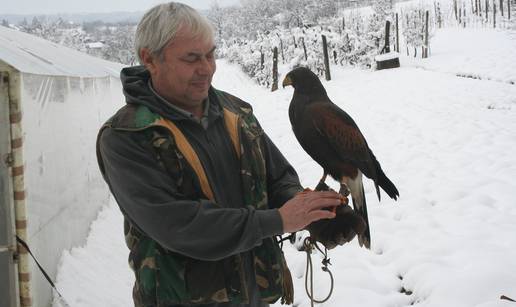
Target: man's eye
191 59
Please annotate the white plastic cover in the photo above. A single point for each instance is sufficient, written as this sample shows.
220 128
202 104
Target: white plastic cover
65 97
30 54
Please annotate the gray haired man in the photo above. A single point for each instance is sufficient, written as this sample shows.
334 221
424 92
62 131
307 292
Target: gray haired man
203 190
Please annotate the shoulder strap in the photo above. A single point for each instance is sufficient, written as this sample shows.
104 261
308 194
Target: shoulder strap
231 120
189 153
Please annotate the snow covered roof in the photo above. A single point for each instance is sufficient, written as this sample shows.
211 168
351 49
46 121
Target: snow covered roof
95 45
31 54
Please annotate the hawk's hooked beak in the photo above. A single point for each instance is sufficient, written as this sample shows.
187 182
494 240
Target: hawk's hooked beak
287 81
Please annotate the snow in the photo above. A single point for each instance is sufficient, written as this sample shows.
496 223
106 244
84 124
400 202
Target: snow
386 56
448 144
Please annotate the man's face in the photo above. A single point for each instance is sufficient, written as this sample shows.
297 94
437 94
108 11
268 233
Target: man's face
183 73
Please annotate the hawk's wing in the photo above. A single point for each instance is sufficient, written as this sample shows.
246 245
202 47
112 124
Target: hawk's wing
342 134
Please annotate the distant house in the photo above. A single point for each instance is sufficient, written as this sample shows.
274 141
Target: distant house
52 102
95 48
95 45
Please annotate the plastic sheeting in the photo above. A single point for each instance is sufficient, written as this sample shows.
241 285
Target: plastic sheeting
31 54
64 188
64 96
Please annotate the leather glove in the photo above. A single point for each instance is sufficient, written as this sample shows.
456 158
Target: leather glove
339 230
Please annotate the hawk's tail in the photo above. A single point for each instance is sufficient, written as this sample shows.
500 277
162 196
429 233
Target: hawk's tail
387 185
360 207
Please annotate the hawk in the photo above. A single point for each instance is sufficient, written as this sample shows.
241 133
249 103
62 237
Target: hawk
331 137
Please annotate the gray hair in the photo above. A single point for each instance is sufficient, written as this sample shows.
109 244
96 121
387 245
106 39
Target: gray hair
161 23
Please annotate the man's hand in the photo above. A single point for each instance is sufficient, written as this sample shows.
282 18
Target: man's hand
307 207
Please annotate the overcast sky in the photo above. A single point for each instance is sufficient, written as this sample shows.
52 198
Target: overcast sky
92 6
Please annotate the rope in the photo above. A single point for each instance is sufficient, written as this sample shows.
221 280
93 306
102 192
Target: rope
309 246
26 246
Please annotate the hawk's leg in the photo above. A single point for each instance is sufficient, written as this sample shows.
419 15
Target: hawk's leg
344 189
322 186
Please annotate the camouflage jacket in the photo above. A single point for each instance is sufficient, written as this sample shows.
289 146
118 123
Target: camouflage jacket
164 277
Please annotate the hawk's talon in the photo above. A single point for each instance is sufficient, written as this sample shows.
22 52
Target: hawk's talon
344 190
322 186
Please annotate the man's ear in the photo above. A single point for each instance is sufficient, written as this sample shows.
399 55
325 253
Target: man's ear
149 60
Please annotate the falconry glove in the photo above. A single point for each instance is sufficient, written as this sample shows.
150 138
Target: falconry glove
339 230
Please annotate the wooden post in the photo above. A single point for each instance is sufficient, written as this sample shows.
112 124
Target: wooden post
386 46
494 14
262 59
464 15
326 59
476 7
501 7
407 25
460 15
455 9
439 17
425 54
487 10
282 54
343 24
397 35
304 48
274 69
335 56
509 9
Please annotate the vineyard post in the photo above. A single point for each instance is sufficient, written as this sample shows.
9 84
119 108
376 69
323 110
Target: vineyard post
282 54
460 15
326 59
509 9
274 69
494 14
439 17
397 35
464 14
262 59
387 45
407 25
487 11
304 49
425 51
455 9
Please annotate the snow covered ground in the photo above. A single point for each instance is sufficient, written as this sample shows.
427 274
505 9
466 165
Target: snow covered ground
448 144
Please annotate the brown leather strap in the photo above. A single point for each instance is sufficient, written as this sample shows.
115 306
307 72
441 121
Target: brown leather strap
189 153
231 120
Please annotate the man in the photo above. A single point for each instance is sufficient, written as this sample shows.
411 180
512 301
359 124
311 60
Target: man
197 179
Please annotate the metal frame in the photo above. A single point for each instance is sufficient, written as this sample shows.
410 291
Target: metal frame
9 294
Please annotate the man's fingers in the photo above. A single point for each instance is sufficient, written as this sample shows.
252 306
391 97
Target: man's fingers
320 194
320 214
319 203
